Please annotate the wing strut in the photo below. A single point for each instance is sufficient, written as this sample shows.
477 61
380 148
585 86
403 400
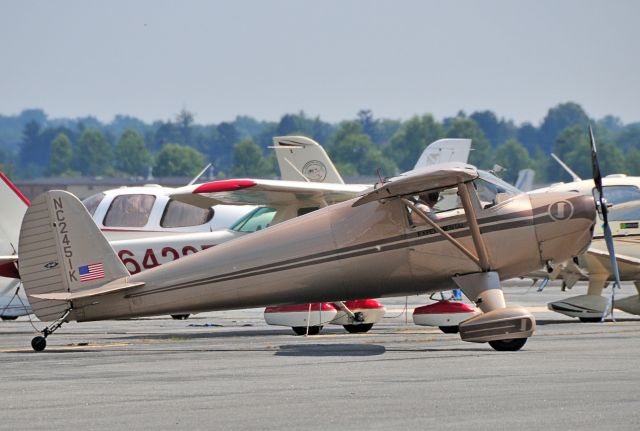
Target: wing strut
434 225
483 255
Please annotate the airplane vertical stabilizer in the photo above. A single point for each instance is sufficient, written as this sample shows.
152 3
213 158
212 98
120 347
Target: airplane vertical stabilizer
303 159
63 252
444 151
524 181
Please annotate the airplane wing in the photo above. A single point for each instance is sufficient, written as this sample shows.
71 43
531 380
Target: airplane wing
626 264
265 192
419 180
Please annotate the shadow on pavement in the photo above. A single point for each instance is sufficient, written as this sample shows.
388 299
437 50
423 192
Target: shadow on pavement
331 350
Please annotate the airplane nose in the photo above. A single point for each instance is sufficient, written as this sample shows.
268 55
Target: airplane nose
563 223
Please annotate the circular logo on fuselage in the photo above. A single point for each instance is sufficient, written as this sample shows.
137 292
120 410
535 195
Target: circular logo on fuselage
561 210
315 171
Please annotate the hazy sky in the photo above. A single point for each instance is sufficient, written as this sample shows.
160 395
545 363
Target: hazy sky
329 58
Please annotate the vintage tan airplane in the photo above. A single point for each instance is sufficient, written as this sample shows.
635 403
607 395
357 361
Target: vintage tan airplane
379 244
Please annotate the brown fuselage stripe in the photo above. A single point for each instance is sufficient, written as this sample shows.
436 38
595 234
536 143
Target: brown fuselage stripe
401 241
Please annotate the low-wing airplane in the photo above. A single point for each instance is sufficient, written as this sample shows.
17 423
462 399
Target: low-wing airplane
623 197
378 244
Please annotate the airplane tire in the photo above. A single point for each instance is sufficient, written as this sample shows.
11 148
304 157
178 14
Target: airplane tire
590 319
449 329
358 329
302 330
9 317
508 345
180 316
39 343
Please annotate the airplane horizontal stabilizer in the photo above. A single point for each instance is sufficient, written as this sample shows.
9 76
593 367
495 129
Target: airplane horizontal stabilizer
115 286
8 259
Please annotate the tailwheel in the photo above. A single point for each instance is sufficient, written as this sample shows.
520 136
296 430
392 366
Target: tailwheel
358 329
450 329
302 330
39 343
508 345
180 316
9 317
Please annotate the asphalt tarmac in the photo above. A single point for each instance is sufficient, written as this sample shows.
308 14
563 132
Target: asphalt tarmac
230 371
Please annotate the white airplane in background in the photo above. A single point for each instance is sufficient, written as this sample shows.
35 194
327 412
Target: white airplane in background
124 213
623 196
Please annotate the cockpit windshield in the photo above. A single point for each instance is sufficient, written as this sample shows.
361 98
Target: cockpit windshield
258 219
492 190
624 202
91 203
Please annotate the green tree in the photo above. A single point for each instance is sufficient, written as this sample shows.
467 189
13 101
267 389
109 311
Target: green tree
61 155
514 157
611 158
462 128
632 162
559 118
184 121
178 160
93 154
248 161
411 139
567 140
351 146
132 156
496 130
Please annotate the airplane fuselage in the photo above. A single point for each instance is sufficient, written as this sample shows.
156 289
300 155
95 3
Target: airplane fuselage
346 252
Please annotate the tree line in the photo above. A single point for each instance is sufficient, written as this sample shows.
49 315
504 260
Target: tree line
32 145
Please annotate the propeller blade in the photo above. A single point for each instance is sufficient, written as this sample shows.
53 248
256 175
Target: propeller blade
608 237
597 178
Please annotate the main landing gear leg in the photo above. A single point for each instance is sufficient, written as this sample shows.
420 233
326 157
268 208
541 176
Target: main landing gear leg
39 343
504 328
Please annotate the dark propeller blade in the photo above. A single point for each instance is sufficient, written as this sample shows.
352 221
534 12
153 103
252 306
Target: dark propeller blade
608 237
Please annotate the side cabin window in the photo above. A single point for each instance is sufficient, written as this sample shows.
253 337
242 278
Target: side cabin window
306 210
492 191
91 203
179 214
436 204
256 220
129 211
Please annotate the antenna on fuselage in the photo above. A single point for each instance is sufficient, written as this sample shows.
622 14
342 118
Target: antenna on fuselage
197 177
574 176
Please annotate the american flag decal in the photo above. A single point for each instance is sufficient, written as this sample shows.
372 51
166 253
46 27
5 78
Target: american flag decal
94 271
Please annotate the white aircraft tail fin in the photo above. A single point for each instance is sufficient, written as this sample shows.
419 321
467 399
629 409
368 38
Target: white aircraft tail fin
63 254
14 205
524 181
303 159
444 151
